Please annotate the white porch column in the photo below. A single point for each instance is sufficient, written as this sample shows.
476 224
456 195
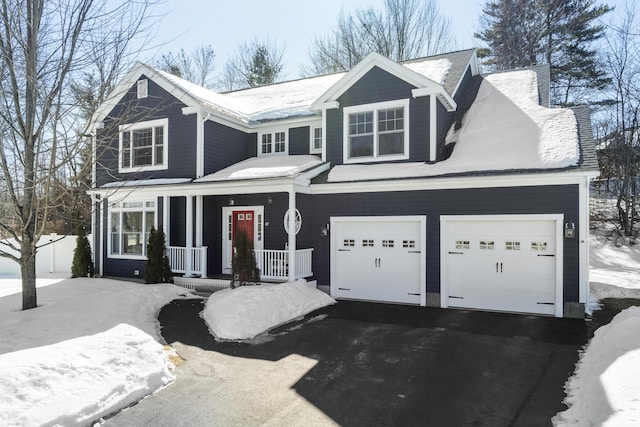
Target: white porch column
165 219
189 237
199 221
292 235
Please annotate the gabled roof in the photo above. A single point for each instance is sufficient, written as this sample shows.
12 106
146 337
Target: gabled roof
439 74
426 75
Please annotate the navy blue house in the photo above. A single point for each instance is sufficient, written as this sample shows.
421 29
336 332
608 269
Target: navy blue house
422 182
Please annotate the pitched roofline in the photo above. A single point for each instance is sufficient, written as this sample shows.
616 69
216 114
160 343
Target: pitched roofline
139 69
376 60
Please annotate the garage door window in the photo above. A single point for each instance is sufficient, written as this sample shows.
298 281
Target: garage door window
463 244
387 243
367 243
512 246
408 243
348 243
487 245
539 246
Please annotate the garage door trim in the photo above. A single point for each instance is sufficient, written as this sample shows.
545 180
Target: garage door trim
559 221
421 219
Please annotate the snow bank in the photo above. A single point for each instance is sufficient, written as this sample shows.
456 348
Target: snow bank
505 129
605 390
78 381
248 311
614 270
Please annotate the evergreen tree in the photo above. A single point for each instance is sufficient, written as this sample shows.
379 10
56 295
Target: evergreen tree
255 63
561 33
157 268
82 265
243 263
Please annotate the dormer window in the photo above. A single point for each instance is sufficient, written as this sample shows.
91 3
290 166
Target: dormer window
376 132
142 88
273 143
143 146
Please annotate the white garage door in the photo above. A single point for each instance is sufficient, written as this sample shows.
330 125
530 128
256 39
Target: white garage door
378 259
504 263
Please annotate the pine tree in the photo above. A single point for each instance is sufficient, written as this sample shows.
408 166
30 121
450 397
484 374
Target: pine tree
157 268
243 263
560 33
82 265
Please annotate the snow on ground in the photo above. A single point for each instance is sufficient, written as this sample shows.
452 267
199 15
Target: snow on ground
247 311
604 390
90 348
264 167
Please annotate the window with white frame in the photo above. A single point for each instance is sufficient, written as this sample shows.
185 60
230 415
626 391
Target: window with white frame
143 146
142 88
316 140
376 132
274 143
129 225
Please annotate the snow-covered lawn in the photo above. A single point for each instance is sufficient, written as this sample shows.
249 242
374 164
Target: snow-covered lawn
605 388
90 349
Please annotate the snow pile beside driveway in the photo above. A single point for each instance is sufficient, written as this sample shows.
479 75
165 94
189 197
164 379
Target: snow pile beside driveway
78 381
248 311
605 390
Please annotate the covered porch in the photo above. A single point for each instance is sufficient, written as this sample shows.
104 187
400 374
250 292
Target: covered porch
273 263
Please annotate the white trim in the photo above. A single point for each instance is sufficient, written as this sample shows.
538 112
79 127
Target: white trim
374 108
273 131
433 128
583 243
329 105
312 149
142 88
559 255
164 123
131 198
166 200
226 243
436 183
422 219
324 134
200 119
363 67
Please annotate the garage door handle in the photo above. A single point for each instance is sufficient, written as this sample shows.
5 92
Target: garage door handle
497 268
545 303
500 267
456 253
344 250
546 255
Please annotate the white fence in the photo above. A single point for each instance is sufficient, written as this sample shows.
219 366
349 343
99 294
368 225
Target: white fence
55 255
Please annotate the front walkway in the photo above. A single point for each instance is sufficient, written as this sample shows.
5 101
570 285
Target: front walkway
368 364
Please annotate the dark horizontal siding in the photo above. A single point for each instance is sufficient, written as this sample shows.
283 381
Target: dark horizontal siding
159 104
299 140
223 147
444 121
317 210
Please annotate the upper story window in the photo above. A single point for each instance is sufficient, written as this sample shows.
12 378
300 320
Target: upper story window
273 143
143 146
129 225
376 132
142 88
316 140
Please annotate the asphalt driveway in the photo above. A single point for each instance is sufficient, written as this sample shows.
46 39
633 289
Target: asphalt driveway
365 364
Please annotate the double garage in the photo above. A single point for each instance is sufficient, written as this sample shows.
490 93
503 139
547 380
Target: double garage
488 262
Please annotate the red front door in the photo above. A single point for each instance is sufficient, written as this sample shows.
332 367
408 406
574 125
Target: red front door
243 220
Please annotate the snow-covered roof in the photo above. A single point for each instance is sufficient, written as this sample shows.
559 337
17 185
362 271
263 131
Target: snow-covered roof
275 166
504 129
294 98
145 182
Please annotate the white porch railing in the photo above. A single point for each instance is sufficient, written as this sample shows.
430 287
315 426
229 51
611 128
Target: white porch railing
274 263
178 260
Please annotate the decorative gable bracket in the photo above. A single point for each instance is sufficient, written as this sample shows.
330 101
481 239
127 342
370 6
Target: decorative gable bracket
442 96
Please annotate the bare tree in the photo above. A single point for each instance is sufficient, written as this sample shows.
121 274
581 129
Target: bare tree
44 46
620 159
255 63
404 29
196 66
